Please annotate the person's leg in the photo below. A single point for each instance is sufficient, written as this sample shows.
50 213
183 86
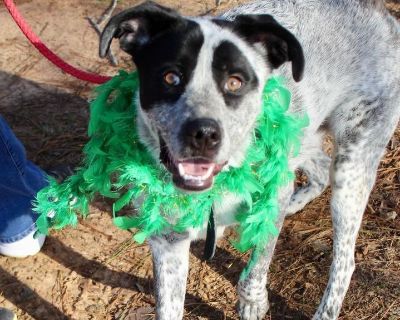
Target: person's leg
20 180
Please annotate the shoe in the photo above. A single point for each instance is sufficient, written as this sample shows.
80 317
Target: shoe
27 246
30 245
6 314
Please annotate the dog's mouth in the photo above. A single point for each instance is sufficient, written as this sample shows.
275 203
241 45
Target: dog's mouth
190 174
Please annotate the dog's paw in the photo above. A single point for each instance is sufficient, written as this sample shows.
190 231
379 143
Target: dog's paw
301 197
253 309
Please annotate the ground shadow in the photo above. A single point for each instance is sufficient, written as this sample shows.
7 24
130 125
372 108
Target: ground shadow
26 299
278 304
231 267
50 122
98 272
92 269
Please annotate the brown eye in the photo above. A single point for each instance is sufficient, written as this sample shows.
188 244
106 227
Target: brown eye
233 84
172 79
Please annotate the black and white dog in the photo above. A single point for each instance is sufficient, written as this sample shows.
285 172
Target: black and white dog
200 91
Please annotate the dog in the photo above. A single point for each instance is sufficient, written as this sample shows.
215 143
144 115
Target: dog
201 81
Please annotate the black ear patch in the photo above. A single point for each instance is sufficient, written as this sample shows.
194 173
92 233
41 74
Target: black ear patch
281 45
138 25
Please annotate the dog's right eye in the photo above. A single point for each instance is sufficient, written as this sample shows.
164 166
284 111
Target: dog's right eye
172 78
233 84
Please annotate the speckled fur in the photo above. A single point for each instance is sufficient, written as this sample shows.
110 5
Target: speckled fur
350 88
202 99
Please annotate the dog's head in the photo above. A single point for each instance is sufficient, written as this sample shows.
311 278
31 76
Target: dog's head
201 81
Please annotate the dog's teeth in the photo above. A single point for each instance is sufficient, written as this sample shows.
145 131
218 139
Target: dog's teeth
181 170
189 177
209 172
195 178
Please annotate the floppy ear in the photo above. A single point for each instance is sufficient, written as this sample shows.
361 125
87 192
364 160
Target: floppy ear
136 26
281 45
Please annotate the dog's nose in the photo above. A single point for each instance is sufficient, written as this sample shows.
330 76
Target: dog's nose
203 136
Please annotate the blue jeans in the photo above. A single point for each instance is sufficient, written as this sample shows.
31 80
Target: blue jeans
20 180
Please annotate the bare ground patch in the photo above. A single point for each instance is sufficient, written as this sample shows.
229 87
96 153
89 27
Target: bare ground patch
96 272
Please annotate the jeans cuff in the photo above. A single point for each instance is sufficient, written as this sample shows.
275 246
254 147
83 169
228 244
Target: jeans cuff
19 236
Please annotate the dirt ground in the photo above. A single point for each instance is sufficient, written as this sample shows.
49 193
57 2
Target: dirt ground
95 271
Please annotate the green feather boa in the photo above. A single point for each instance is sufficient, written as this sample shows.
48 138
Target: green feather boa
118 166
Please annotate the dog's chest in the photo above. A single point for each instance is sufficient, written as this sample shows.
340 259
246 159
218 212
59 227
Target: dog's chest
224 216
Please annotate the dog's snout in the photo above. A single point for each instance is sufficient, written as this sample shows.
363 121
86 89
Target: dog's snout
203 136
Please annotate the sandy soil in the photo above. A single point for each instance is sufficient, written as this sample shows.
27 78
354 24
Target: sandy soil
96 271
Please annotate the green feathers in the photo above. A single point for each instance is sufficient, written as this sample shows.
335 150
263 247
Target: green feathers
118 166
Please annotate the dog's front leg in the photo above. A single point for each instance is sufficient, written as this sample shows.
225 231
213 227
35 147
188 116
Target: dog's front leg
170 266
253 296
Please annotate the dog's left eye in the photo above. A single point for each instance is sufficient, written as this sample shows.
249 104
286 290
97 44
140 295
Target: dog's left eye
233 84
172 78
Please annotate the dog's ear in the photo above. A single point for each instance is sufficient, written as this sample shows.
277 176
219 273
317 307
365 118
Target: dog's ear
136 26
281 45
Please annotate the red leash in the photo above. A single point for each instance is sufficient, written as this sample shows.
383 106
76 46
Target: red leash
50 55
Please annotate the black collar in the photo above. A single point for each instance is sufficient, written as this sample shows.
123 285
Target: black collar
210 245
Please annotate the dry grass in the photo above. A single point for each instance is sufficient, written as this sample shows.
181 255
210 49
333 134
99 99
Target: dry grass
97 272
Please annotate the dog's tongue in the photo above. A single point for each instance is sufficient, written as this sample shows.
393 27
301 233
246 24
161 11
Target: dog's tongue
195 169
195 174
